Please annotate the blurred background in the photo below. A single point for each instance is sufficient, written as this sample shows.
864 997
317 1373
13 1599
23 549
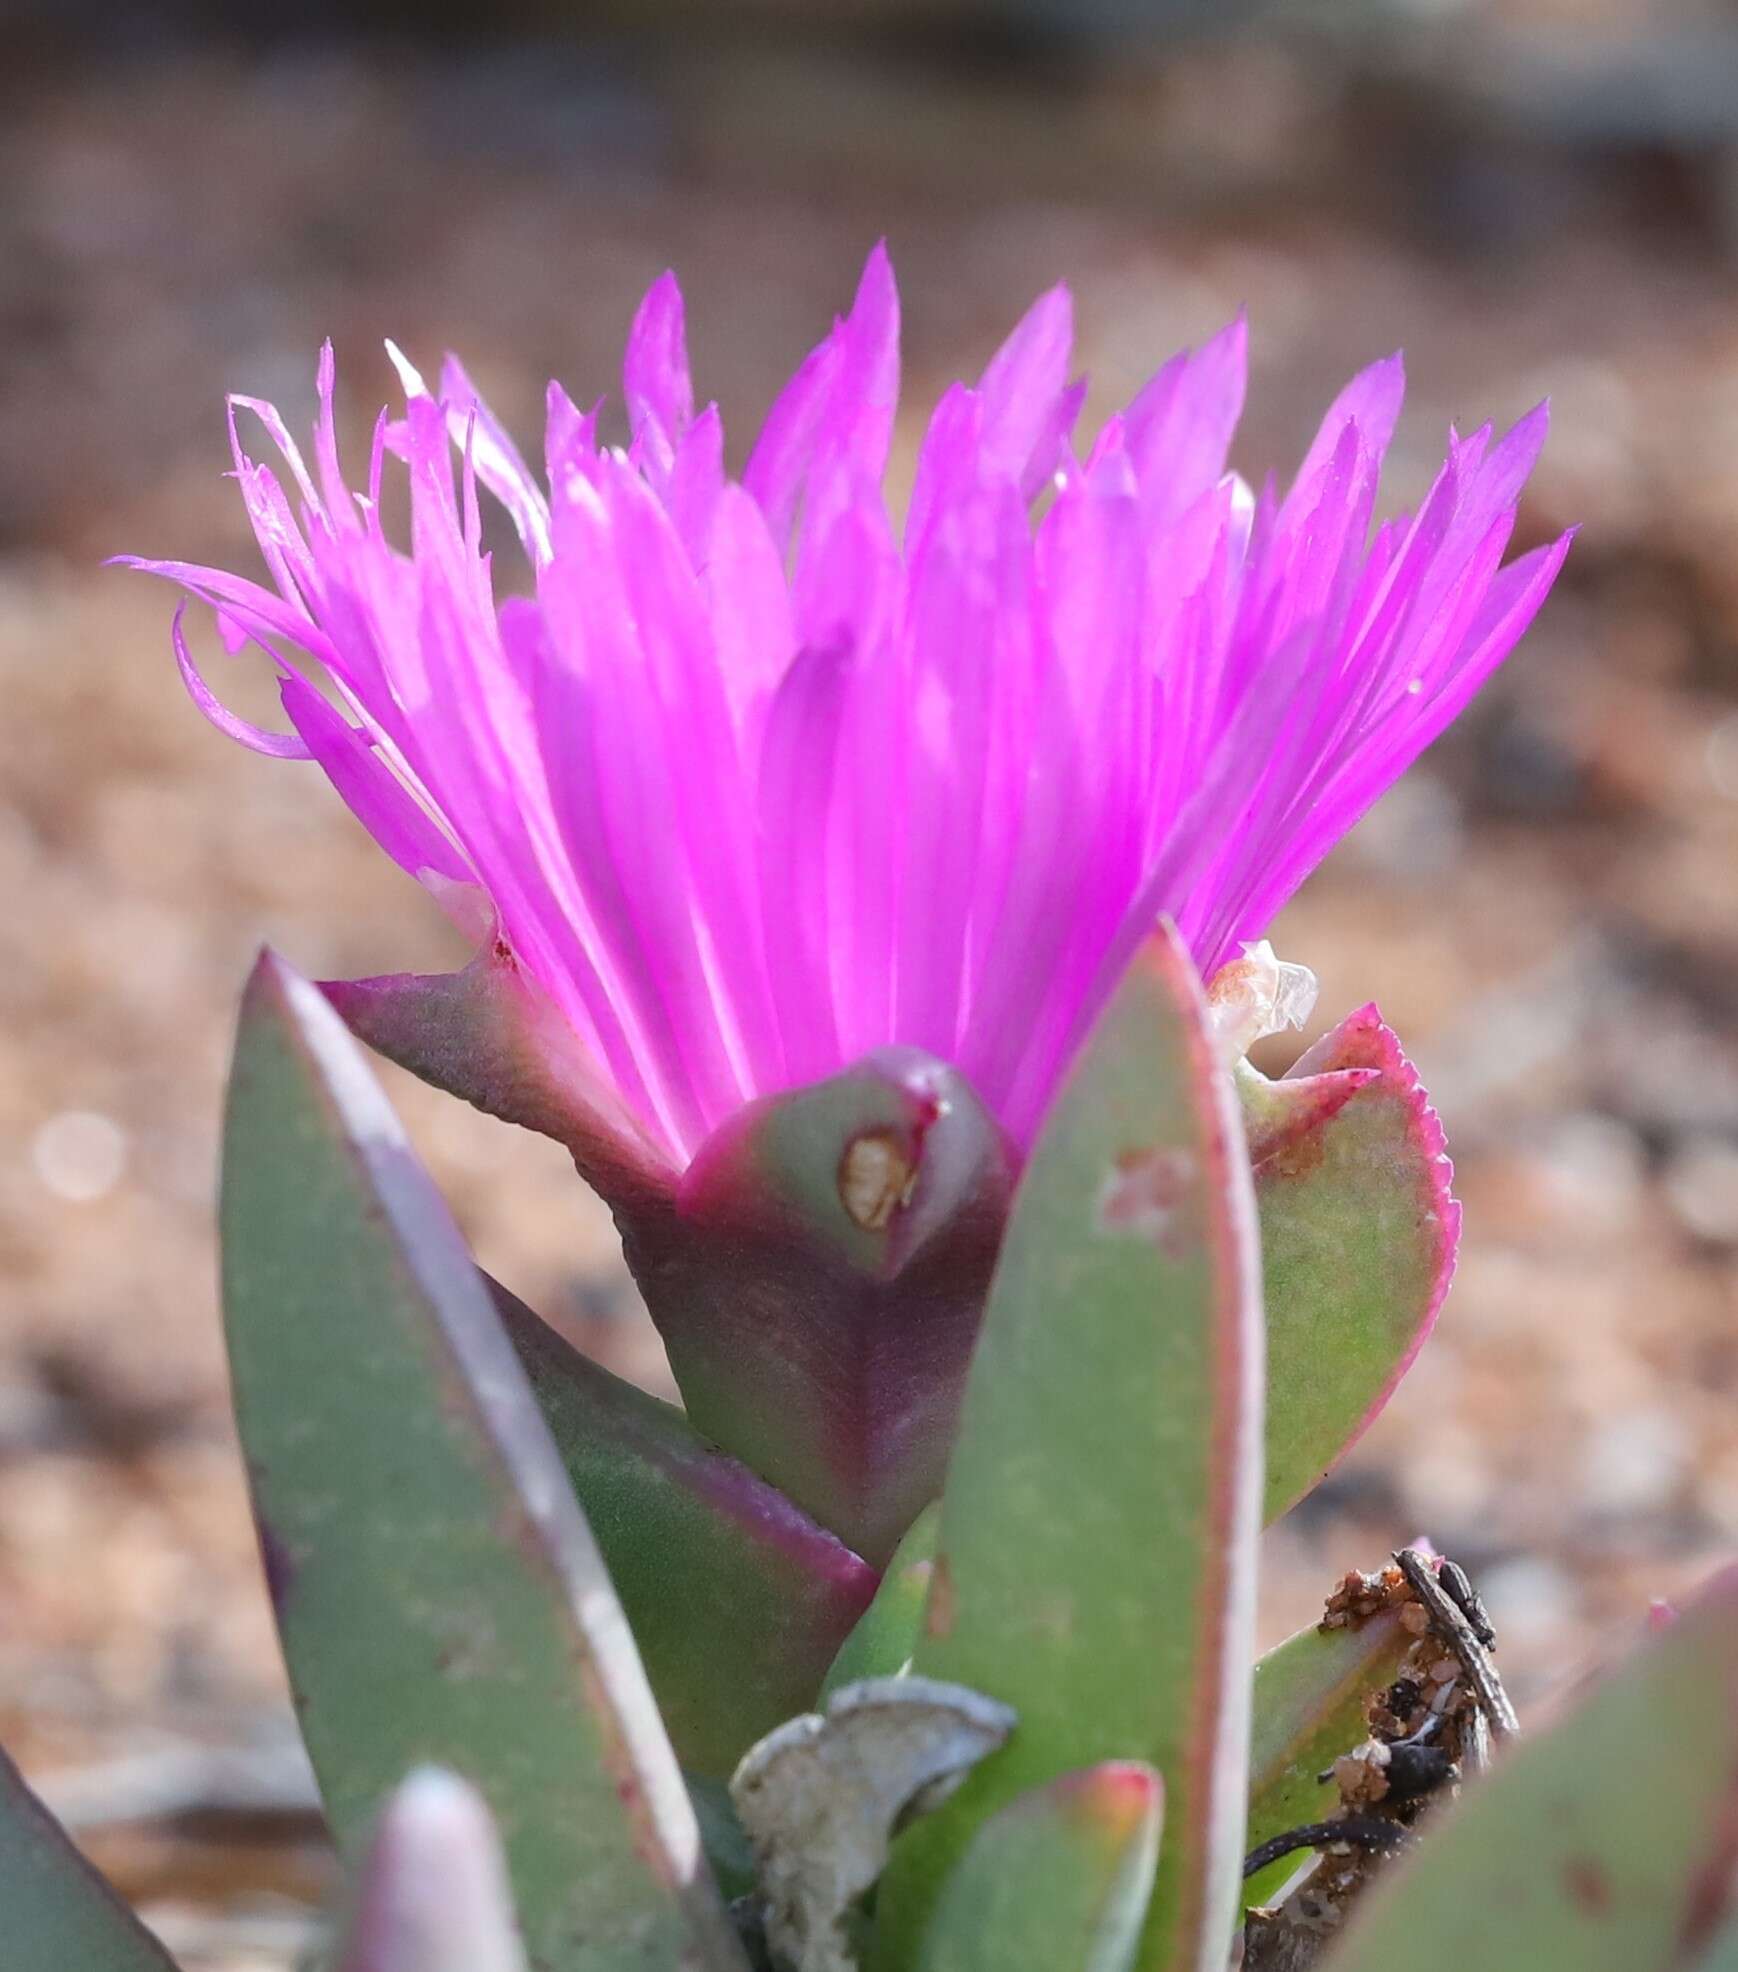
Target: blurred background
1531 196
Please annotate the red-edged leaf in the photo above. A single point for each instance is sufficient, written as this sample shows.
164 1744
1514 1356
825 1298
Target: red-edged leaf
1096 1563
1358 1237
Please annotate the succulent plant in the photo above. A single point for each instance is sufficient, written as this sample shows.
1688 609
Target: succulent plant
535 1623
1007 1299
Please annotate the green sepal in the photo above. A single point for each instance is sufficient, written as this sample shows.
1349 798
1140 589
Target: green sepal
819 1280
490 1035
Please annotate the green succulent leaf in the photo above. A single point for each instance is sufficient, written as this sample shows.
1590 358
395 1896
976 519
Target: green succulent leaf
1721 1955
1358 1237
57 1914
737 1600
439 1595
1096 1563
1057 1881
1605 1842
886 1634
1307 1708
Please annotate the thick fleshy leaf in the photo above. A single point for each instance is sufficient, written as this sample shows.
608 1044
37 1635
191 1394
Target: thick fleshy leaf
1358 1236
1605 1842
886 1634
819 1281
1057 1881
433 1894
56 1911
1096 1565
737 1600
1308 1707
439 1595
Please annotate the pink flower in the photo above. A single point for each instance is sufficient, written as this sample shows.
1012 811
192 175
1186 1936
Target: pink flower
758 792
756 780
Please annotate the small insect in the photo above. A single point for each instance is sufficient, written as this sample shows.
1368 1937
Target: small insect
1467 1600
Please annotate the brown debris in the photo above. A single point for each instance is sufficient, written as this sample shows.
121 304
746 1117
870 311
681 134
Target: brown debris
1429 1727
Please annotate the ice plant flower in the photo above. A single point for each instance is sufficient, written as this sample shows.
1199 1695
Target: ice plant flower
759 789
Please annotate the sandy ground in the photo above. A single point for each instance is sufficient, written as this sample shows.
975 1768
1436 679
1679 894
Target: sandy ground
1547 909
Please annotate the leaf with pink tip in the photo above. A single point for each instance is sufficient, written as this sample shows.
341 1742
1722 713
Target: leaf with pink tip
1606 1842
56 1913
1358 1237
433 1894
1057 1881
1097 1551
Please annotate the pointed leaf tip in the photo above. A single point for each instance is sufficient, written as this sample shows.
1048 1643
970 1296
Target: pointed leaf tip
885 1636
1119 1798
1307 1708
433 1895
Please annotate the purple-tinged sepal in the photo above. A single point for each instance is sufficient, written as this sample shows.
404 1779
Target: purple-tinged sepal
1358 1232
490 1034
818 1280
817 1272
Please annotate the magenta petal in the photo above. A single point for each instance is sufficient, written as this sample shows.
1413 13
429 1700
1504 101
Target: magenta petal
1178 431
796 781
655 379
1025 388
276 746
375 796
479 432
1371 403
754 783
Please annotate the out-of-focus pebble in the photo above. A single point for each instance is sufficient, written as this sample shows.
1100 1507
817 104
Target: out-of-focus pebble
80 1155
1701 1186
